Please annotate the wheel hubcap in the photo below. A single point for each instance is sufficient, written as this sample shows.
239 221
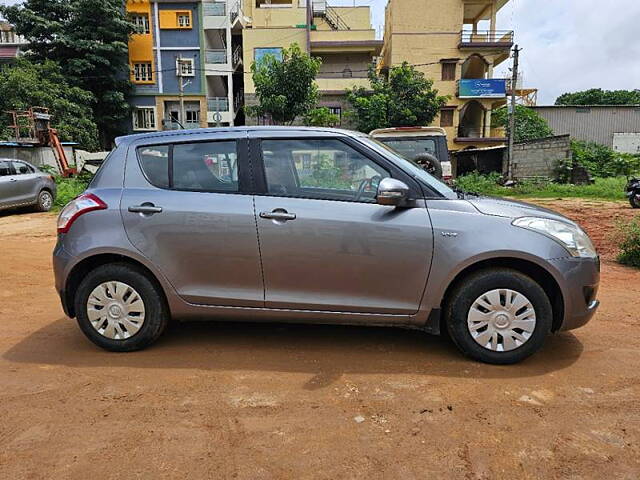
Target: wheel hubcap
501 320
46 200
115 310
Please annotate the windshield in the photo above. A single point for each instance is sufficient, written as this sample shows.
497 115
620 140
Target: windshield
411 168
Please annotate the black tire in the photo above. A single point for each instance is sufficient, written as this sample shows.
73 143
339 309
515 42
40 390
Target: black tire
634 200
156 309
430 164
471 288
45 201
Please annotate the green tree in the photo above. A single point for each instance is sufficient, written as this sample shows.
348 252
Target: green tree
597 96
285 88
602 161
529 124
89 41
27 84
403 98
321 117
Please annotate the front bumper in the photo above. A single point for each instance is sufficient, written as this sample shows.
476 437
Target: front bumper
579 285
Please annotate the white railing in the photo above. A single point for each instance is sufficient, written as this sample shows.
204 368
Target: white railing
218 104
237 55
218 55
214 9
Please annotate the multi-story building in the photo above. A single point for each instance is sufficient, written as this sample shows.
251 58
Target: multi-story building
11 44
341 36
455 43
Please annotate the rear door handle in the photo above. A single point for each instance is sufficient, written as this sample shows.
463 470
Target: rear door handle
149 208
277 214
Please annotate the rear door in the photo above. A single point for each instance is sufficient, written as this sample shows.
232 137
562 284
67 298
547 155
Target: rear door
186 206
326 244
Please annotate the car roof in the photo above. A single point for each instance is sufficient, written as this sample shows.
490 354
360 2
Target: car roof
270 129
408 131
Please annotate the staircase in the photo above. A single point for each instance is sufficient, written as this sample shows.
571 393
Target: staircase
322 10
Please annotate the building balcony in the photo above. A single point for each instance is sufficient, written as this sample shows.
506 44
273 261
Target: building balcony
479 39
479 135
340 84
214 9
218 104
482 88
215 56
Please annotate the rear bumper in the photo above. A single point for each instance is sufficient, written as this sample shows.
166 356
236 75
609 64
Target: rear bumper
60 261
581 278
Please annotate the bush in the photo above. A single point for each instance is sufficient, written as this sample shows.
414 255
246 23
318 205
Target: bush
602 188
602 161
628 237
70 188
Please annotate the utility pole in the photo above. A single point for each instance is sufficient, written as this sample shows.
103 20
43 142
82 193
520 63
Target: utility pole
180 89
512 117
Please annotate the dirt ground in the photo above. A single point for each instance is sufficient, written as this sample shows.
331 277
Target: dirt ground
269 401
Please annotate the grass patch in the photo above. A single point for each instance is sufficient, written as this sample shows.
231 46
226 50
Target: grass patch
602 188
68 189
628 238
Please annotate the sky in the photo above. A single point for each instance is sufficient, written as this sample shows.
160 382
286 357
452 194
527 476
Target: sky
568 45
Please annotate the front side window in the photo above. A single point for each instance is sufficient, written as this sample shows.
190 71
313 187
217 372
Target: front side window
22 168
322 169
206 167
5 169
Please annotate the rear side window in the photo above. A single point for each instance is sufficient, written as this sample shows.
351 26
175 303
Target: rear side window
411 147
205 167
198 166
154 161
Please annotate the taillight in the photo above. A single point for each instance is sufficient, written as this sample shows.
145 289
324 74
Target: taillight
84 203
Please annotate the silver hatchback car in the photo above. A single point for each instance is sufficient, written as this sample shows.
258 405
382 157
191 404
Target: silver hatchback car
312 225
23 185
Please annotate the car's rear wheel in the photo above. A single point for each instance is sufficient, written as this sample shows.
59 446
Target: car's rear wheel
45 201
120 309
498 316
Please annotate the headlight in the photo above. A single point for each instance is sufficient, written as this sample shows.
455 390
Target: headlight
571 237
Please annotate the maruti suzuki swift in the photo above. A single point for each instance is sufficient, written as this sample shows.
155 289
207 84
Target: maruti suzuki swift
312 225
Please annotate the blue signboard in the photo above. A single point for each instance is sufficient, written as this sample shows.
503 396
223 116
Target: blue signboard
482 88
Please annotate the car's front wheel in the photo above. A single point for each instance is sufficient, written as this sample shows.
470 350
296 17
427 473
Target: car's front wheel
120 309
498 316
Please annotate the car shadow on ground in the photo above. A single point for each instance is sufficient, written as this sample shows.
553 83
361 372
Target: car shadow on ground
323 351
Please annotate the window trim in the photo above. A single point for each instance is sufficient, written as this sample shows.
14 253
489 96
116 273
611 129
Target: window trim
260 177
149 78
185 61
244 179
184 13
155 119
146 24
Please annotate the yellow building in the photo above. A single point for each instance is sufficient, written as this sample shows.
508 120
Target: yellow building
455 43
341 36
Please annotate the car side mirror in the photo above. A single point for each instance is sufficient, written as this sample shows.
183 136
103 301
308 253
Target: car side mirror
392 192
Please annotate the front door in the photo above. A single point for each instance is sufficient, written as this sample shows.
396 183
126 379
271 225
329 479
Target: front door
9 188
186 210
27 182
325 244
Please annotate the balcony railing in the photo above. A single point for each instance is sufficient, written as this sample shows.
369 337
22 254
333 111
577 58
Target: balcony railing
237 55
486 38
218 104
214 9
470 132
218 55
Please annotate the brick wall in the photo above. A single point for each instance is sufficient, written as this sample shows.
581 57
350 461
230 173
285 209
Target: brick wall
539 158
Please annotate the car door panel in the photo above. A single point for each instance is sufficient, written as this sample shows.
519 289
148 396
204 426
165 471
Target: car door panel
344 256
26 184
204 242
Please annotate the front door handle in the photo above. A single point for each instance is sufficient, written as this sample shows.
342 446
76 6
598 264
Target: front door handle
148 208
278 214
